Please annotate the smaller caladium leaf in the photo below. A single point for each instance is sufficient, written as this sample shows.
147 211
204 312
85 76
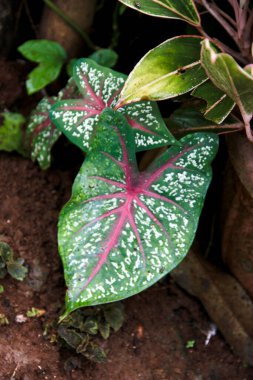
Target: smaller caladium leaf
178 9
123 229
100 88
229 77
170 69
41 133
218 104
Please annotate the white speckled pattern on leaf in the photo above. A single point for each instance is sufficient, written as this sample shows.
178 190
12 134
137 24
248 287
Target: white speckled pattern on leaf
41 133
100 88
122 229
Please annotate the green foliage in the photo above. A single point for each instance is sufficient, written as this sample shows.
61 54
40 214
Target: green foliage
49 55
188 119
105 57
218 104
35 313
170 69
81 329
190 344
179 9
4 320
41 133
229 77
9 265
100 88
123 230
11 135
108 231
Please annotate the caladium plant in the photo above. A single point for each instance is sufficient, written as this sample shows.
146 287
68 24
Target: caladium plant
100 88
41 133
122 229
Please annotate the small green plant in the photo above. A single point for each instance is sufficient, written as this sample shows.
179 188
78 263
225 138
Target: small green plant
190 344
4 320
14 267
80 329
35 313
49 55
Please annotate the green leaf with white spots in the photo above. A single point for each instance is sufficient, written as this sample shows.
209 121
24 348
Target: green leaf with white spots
122 229
50 55
100 88
41 133
178 9
218 104
170 69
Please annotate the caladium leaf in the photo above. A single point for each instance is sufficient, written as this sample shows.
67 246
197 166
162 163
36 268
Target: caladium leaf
41 133
229 77
170 69
218 104
122 229
100 88
179 9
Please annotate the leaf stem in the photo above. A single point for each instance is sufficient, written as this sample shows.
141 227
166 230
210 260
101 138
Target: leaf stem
249 26
72 24
246 120
229 29
224 15
115 27
235 29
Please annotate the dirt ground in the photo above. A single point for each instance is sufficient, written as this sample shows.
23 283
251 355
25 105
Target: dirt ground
152 344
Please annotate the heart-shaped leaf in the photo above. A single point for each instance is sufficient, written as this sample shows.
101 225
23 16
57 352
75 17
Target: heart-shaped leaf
179 9
218 104
123 229
41 133
50 55
170 69
100 88
229 77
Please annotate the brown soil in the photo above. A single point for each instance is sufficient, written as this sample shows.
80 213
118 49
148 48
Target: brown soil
159 322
